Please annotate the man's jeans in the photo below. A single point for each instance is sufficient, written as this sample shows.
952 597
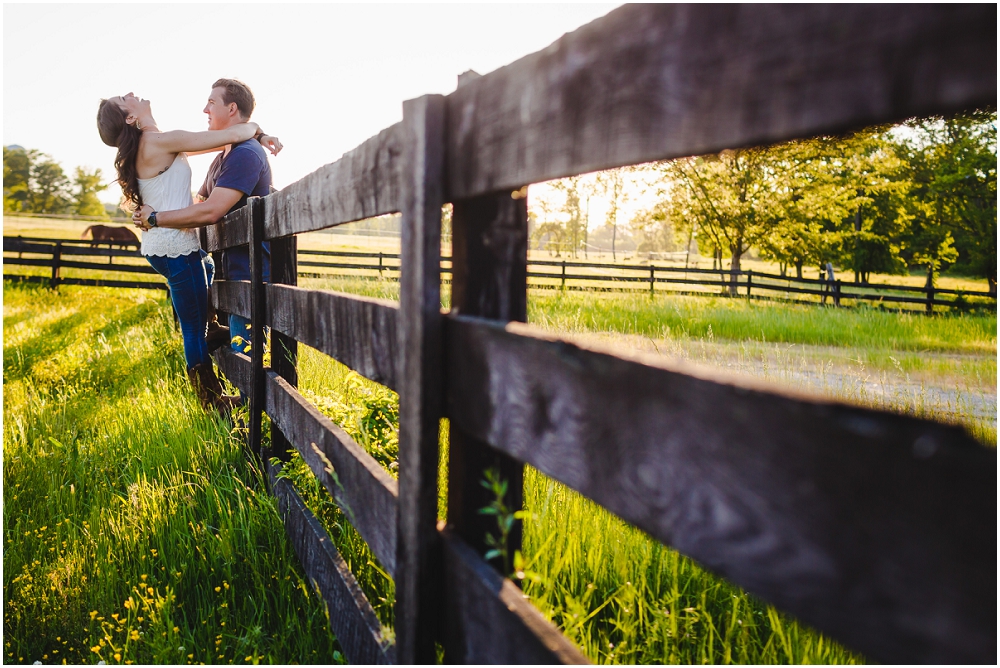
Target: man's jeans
188 279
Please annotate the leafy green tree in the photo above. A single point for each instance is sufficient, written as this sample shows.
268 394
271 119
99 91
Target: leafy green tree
953 163
50 188
88 184
16 178
732 197
814 197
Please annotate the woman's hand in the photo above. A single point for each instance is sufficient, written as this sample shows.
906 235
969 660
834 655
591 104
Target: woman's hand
272 144
141 217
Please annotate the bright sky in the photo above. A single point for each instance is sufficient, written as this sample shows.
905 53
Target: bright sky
326 77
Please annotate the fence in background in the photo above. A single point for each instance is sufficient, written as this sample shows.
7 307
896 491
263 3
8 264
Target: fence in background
59 254
876 528
542 274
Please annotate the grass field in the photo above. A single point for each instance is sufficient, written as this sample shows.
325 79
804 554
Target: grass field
135 532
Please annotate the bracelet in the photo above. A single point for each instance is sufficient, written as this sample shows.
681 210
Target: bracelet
260 133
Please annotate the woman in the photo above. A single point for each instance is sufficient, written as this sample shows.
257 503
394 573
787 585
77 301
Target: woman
153 169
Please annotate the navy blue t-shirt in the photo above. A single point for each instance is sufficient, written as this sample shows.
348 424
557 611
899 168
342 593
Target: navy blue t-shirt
245 169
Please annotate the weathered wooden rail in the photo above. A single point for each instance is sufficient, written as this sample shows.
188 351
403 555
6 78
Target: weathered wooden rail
876 528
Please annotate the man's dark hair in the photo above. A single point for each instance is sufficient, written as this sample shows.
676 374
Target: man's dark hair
238 92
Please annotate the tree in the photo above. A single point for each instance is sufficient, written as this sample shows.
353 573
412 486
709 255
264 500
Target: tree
612 185
953 163
732 197
16 178
574 232
88 184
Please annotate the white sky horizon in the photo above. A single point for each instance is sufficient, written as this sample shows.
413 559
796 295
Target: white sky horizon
325 77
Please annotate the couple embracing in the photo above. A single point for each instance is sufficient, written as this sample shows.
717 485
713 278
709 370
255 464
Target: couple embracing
155 178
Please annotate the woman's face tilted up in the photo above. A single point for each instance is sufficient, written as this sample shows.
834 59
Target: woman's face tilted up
133 106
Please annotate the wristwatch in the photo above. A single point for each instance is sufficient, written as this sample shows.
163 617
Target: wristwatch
152 219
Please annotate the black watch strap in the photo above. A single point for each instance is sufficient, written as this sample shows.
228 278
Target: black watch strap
152 219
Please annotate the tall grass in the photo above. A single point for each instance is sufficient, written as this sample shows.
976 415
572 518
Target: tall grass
621 596
134 530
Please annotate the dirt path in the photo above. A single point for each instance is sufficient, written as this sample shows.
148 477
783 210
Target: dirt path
953 387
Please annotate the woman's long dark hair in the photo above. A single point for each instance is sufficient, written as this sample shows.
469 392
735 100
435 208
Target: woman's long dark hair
116 132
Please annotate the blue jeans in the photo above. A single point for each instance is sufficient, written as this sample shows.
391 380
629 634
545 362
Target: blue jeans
188 280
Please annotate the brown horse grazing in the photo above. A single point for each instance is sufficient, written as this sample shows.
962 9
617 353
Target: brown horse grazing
109 234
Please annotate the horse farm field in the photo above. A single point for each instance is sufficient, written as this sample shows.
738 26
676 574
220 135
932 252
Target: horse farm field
135 530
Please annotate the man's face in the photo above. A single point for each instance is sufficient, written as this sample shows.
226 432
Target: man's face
220 114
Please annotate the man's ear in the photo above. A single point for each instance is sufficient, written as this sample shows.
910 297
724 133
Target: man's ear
233 109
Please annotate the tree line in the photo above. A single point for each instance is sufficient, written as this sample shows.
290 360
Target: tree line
921 195
35 183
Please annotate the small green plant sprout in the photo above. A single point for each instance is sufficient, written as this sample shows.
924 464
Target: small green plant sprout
506 517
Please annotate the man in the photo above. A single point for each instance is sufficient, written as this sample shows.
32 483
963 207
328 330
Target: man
239 172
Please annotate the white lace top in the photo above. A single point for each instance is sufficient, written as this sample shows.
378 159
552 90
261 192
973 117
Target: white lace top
167 191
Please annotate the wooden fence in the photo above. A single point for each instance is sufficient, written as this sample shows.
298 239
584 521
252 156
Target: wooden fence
541 274
876 528
59 254
656 279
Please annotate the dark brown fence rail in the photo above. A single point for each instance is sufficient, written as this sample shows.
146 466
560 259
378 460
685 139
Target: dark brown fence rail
876 528
542 274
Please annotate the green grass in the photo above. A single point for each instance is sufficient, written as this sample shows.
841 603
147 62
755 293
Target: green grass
134 530
116 485
739 320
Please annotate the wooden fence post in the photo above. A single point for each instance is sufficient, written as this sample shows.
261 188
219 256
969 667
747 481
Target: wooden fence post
836 293
489 280
56 264
749 282
284 349
420 389
930 297
652 280
563 287
257 304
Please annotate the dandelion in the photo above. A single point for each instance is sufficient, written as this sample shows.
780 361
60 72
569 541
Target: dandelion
118 656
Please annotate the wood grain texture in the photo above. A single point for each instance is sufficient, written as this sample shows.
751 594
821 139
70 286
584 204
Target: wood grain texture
367 494
490 621
364 183
352 619
233 230
232 297
420 390
876 528
359 332
235 367
257 311
650 82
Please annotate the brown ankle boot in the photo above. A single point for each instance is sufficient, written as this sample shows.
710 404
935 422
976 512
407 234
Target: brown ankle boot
217 336
209 390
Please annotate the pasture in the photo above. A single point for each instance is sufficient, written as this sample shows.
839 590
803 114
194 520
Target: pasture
134 530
